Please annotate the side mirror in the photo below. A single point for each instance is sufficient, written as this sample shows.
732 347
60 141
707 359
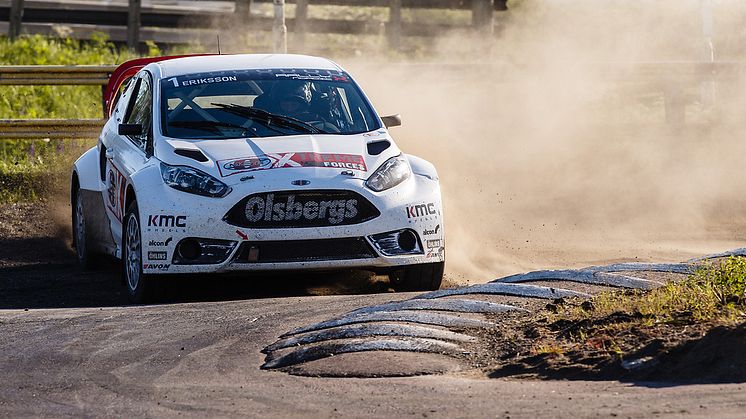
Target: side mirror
391 120
130 129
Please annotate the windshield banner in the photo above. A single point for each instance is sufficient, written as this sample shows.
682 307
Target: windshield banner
188 80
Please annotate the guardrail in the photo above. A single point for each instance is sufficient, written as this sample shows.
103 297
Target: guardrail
670 78
57 75
53 129
22 75
190 21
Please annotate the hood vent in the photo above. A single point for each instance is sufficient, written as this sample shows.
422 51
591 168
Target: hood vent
192 154
377 147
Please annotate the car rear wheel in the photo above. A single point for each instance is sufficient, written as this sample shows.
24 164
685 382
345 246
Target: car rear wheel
140 287
421 277
80 238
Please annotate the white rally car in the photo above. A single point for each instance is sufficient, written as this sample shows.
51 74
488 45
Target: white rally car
219 163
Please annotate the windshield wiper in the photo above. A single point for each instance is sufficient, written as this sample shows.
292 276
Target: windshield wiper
205 125
269 118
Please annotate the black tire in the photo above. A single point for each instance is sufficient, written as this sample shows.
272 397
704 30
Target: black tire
140 286
422 277
86 258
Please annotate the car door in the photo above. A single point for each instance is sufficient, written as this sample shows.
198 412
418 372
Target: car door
127 154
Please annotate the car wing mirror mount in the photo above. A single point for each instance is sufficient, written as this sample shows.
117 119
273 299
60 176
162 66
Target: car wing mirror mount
130 129
391 120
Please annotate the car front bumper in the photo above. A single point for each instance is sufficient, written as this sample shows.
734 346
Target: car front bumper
169 217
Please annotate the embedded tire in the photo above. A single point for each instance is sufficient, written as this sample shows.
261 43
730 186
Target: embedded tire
422 277
140 286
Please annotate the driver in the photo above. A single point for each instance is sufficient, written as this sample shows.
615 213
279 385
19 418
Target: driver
293 98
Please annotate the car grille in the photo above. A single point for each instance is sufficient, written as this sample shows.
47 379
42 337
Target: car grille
304 250
293 209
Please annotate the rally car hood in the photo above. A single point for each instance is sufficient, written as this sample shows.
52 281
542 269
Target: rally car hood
313 156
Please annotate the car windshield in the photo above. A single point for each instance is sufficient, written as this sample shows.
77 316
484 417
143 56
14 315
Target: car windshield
263 103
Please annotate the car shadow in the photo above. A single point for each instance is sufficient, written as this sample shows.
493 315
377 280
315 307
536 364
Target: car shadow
42 272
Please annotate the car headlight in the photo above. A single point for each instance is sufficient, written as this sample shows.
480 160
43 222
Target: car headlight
189 179
393 172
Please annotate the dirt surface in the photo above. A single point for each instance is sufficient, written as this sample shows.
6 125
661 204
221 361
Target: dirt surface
676 352
71 346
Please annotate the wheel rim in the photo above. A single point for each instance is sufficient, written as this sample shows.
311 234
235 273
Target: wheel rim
79 227
132 249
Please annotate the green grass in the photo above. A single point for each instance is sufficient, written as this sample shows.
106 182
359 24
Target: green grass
715 295
27 176
55 101
617 322
715 292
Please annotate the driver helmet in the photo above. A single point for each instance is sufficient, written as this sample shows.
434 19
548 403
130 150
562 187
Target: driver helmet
292 97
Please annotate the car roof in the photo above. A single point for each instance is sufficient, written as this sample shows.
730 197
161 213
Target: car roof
209 63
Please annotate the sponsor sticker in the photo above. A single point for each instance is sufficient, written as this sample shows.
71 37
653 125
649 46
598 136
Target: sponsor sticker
427 232
421 211
310 77
167 223
434 253
264 208
115 190
157 255
231 167
432 244
157 243
185 81
242 235
200 79
156 266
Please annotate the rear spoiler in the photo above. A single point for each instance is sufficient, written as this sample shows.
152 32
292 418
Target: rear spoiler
125 72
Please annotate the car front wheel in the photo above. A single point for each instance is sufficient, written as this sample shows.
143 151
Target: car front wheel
140 286
82 248
421 277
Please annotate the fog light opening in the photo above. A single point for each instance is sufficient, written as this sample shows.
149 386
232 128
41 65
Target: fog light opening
407 240
397 243
190 249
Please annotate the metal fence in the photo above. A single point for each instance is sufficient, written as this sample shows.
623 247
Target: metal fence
57 75
53 129
669 79
134 22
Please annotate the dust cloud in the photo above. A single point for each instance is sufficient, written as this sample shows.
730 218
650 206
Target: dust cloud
553 146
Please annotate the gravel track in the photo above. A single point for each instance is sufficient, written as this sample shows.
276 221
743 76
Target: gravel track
71 346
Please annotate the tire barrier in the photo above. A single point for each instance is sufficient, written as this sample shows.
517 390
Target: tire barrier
434 319
312 353
677 268
517 290
418 324
459 306
585 277
735 252
369 330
